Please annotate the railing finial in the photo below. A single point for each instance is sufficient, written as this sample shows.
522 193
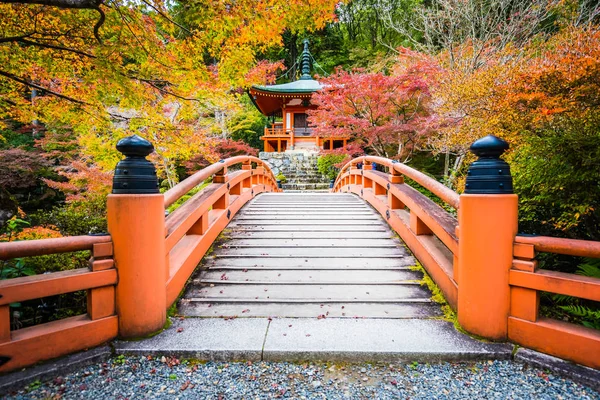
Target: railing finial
489 174
135 174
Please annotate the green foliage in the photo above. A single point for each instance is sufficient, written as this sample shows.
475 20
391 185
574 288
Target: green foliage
589 317
15 269
556 175
78 218
574 309
188 196
12 139
248 125
119 360
327 164
281 178
13 226
34 385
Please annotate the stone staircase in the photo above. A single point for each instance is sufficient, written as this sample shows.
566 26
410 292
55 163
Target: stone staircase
300 170
308 255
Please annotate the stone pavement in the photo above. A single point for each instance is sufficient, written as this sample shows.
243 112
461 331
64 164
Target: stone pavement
328 339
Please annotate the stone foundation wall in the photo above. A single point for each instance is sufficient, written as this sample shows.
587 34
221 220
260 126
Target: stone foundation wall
300 170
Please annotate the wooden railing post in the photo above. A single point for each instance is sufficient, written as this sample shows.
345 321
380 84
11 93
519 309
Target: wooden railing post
136 223
487 220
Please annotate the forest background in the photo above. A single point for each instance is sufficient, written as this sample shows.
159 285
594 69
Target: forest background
417 81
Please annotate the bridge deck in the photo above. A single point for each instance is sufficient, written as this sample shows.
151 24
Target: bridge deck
308 255
336 281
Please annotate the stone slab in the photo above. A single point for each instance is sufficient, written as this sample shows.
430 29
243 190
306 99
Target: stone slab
314 252
323 235
51 369
315 277
204 339
365 229
337 243
391 292
313 310
308 263
328 339
579 373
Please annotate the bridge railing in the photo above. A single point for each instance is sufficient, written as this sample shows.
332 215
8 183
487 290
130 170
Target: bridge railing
525 326
156 255
192 228
136 271
427 228
486 272
26 346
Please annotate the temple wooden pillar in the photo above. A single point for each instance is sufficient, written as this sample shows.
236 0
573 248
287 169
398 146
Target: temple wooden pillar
279 145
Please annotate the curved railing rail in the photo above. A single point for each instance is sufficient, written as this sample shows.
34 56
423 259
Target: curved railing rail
428 229
22 347
433 236
443 192
192 228
183 187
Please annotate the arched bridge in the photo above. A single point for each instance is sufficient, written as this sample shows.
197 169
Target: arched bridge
339 255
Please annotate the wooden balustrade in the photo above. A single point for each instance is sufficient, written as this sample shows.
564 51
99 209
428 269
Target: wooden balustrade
192 228
525 326
433 235
29 345
278 131
427 229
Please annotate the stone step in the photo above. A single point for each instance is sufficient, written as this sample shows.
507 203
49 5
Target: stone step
325 235
313 277
305 186
308 256
198 308
306 263
318 243
310 292
312 222
303 252
326 218
308 228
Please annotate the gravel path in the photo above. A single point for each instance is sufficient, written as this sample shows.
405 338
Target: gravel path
168 378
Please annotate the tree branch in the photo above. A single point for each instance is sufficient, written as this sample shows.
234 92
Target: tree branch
35 86
51 46
99 24
80 4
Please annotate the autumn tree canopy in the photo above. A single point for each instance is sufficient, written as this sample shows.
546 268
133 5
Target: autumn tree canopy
167 71
390 114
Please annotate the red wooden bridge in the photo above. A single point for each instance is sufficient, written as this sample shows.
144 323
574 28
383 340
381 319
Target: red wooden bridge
469 246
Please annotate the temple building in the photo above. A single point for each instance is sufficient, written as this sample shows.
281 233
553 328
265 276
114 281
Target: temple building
286 104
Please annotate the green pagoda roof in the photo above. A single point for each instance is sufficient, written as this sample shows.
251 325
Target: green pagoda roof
306 84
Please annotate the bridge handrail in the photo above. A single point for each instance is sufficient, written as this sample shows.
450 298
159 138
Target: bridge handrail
443 192
41 247
525 324
179 190
428 229
571 247
23 347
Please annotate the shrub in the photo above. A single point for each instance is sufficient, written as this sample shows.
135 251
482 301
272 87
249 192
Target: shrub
329 164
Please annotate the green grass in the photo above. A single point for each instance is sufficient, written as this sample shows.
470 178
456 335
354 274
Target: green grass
438 296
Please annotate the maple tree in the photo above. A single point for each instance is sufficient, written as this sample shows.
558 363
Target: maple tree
389 114
107 69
